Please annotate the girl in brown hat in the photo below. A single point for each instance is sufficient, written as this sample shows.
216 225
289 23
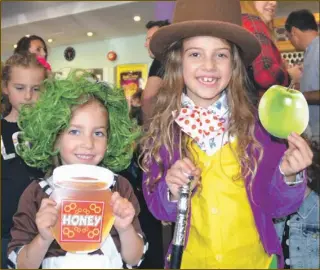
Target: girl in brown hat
205 126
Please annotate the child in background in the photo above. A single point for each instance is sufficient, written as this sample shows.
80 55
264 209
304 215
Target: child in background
299 233
33 44
204 126
149 224
76 121
135 106
22 76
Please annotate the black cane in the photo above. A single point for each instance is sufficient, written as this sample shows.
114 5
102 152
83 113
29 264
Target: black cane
180 227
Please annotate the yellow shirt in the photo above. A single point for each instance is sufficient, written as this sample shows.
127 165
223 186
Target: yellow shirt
222 230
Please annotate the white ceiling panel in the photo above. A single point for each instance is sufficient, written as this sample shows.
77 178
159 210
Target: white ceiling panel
67 22
105 23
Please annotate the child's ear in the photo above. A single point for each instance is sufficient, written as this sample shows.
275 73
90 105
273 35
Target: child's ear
294 31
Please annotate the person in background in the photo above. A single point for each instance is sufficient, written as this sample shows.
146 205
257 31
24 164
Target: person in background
299 232
3 105
152 228
135 106
32 44
302 31
159 234
22 76
268 68
156 71
3 100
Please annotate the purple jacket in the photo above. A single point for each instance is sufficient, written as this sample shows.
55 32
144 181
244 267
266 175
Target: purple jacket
273 198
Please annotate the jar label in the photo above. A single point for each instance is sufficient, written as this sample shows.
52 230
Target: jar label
81 221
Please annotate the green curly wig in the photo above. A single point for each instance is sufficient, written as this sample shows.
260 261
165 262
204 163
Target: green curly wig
51 114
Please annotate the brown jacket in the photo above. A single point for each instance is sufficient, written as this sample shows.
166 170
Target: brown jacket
25 229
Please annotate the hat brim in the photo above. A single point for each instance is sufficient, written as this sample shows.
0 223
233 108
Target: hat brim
246 41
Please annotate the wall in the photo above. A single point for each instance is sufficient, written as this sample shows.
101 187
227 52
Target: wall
130 50
285 7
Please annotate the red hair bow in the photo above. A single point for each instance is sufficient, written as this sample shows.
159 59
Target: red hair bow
44 63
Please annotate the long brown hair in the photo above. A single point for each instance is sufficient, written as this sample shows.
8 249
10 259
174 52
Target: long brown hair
248 7
163 132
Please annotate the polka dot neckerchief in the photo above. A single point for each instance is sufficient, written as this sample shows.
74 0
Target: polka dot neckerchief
207 126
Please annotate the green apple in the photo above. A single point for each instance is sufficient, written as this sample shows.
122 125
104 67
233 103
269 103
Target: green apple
283 110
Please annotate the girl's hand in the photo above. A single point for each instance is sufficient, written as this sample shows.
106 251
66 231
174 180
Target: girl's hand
297 157
46 218
177 176
123 211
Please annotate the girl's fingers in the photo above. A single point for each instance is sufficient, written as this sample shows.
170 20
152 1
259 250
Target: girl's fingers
114 197
120 205
177 177
197 173
189 163
46 202
301 161
184 165
127 211
293 163
298 142
116 206
174 187
172 180
48 210
47 220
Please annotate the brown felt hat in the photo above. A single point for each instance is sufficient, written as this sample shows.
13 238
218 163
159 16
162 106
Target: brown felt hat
217 18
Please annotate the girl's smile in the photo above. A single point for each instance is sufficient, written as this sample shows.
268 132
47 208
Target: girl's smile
207 68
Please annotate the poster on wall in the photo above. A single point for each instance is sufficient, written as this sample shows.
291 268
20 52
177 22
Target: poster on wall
131 77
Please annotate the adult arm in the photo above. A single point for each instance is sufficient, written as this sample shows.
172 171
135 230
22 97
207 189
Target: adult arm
312 97
153 85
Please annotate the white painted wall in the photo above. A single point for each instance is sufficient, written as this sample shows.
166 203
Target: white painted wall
286 7
130 50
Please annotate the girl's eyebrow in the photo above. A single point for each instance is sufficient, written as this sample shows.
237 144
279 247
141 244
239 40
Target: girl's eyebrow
81 126
21 84
76 126
198 48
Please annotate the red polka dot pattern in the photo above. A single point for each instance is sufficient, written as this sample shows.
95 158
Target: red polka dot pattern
202 125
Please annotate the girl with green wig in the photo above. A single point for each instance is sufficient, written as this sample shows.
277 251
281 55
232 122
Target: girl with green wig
42 124
76 121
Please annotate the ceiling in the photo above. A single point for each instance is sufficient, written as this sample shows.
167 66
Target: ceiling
67 22
105 22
